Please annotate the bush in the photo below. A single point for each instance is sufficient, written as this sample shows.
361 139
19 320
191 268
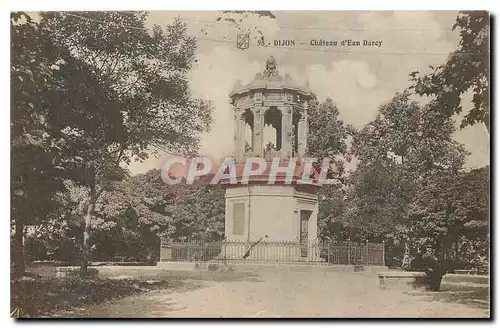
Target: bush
38 297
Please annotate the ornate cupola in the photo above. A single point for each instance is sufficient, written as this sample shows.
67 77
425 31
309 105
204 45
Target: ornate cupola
273 99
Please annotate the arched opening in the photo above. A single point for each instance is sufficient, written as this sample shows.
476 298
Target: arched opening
248 118
272 119
295 140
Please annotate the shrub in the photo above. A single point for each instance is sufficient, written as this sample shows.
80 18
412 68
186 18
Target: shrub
38 297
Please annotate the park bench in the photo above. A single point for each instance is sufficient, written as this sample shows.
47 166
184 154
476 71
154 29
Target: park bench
413 277
119 259
66 272
470 272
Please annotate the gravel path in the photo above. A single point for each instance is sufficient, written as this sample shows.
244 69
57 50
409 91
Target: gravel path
299 294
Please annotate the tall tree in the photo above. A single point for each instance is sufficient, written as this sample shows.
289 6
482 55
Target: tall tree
466 70
36 154
451 208
327 138
332 208
147 209
122 88
375 194
405 145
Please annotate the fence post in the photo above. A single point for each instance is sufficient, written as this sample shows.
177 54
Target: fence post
224 244
383 252
367 254
328 253
349 251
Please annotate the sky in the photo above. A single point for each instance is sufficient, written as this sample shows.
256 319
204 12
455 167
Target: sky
357 79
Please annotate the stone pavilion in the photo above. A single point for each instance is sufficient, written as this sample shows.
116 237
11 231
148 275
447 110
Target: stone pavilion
257 210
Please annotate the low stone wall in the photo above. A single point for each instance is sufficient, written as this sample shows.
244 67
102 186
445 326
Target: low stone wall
403 280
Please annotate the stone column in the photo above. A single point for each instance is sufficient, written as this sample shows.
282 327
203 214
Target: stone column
239 136
286 131
302 137
306 115
258 131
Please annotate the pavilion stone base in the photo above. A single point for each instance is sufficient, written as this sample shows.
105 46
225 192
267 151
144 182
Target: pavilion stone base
284 216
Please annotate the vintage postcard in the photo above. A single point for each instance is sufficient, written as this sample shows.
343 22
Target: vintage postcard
250 164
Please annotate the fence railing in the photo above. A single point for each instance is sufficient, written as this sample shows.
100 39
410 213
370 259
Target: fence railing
317 253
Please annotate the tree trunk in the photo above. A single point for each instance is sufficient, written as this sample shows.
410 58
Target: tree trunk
19 264
406 255
86 239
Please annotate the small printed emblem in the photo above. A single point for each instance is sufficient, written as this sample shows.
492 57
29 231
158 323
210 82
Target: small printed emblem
243 41
261 42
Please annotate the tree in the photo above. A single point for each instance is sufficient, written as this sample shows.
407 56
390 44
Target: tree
449 209
36 153
332 207
248 147
147 209
405 145
130 218
467 69
327 133
120 90
197 212
327 138
375 194
444 211
146 76
59 237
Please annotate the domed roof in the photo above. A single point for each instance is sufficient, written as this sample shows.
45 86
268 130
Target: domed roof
270 79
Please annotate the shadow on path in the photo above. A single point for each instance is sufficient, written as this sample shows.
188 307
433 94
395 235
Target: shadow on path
473 295
154 303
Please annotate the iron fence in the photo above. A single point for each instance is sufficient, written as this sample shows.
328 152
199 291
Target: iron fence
279 252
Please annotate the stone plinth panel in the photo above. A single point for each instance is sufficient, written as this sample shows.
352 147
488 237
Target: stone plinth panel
271 212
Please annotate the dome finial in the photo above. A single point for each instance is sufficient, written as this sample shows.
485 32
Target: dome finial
271 67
